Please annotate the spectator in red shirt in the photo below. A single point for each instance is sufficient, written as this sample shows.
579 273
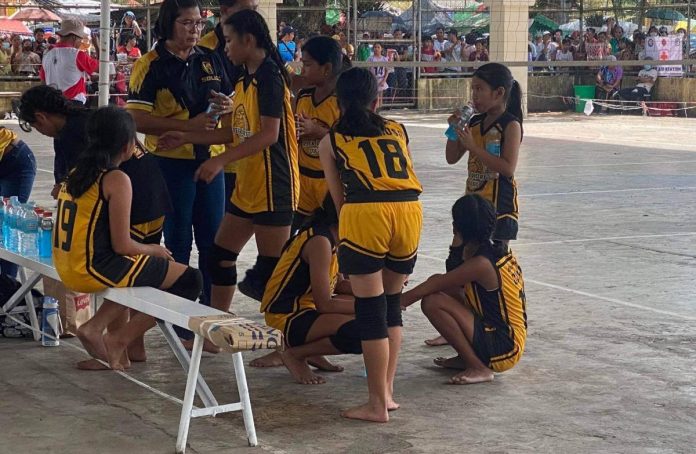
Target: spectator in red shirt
130 48
65 67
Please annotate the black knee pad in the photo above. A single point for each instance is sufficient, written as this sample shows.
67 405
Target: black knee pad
371 315
189 285
347 338
454 259
394 311
263 269
220 274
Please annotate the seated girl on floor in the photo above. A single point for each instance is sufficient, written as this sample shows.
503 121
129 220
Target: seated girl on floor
92 245
299 299
478 307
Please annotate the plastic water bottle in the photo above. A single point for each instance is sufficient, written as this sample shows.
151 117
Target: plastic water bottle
6 223
50 322
2 222
45 235
15 215
465 114
30 233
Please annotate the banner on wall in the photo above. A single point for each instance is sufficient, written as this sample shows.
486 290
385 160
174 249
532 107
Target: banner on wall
663 48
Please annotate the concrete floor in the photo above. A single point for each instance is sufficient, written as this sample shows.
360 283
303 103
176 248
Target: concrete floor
608 246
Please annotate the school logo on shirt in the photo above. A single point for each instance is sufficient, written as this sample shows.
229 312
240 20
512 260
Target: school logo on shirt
311 146
208 69
240 124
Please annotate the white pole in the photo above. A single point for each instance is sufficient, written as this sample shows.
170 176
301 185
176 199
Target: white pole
104 42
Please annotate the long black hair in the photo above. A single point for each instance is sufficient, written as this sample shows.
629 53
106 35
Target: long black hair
169 11
47 99
325 50
496 76
109 130
356 91
252 23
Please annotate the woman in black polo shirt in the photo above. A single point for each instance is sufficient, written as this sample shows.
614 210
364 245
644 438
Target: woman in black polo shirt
170 89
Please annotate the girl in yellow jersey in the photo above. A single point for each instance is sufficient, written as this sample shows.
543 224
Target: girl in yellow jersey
493 139
487 323
92 245
371 179
300 299
317 111
262 136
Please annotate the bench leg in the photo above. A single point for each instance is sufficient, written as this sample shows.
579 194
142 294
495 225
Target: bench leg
244 398
202 389
29 300
190 393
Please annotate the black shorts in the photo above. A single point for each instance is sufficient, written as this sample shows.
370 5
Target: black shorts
298 326
230 179
505 228
491 342
270 218
119 271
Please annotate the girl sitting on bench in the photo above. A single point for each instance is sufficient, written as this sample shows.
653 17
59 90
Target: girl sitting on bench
92 245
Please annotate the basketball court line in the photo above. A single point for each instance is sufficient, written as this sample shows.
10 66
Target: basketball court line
590 240
590 295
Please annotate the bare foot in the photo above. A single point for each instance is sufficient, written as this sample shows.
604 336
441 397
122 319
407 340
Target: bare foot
454 362
272 359
300 370
93 341
367 412
114 351
391 405
323 364
472 376
136 351
436 341
208 346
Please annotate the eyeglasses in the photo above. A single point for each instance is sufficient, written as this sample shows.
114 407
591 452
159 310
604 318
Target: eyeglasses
191 24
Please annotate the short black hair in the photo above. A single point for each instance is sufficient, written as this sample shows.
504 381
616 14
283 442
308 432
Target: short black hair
168 13
39 30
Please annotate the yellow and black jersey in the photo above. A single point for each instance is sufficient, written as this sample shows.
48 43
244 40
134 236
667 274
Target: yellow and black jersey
215 41
151 201
500 190
502 310
164 85
376 169
82 250
289 289
267 181
326 113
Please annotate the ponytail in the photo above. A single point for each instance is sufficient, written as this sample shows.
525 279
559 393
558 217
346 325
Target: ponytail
356 90
109 131
46 99
252 23
514 101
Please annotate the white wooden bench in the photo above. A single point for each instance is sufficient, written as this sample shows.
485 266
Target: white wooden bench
226 330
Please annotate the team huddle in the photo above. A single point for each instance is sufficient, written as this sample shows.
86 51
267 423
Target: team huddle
325 185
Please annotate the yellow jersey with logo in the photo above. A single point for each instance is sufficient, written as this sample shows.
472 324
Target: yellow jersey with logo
267 181
325 112
376 169
289 290
500 190
165 85
82 250
502 309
